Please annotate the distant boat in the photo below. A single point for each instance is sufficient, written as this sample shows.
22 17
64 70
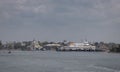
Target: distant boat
9 52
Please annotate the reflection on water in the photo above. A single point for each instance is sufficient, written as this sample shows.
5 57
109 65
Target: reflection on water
50 61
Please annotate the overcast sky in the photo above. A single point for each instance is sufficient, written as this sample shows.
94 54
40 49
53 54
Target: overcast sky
58 20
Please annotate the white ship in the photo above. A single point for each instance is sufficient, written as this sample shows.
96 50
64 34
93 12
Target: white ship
82 46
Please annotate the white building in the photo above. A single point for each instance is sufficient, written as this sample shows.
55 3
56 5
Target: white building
54 46
35 45
82 46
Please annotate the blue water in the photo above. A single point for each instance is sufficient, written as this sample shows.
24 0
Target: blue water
51 61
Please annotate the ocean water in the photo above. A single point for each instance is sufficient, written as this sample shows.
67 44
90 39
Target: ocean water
51 61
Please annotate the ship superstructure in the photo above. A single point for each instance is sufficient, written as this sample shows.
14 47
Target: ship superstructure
82 46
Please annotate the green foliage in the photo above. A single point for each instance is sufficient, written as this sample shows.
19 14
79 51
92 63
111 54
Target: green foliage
115 49
0 43
17 45
44 43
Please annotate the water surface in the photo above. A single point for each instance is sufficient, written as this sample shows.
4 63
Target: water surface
51 61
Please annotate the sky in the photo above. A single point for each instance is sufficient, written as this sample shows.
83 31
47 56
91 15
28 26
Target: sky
58 20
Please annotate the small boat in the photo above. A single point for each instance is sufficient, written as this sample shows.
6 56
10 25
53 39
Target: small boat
9 52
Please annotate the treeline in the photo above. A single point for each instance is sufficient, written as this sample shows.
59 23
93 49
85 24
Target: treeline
111 47
25 45
115 49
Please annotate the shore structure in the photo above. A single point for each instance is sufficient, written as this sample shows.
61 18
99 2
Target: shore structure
53 47
35 45
60 46
82 46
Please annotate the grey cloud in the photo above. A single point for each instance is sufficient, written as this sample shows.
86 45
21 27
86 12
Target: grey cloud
98 20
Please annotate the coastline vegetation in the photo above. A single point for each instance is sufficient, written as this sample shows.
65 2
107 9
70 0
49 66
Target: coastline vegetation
25 45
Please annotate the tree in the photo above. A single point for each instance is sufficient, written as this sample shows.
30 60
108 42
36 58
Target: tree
96 44
0 44
44 43
17 45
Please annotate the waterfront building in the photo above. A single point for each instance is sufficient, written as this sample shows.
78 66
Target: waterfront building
82 46
35 45
53 46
